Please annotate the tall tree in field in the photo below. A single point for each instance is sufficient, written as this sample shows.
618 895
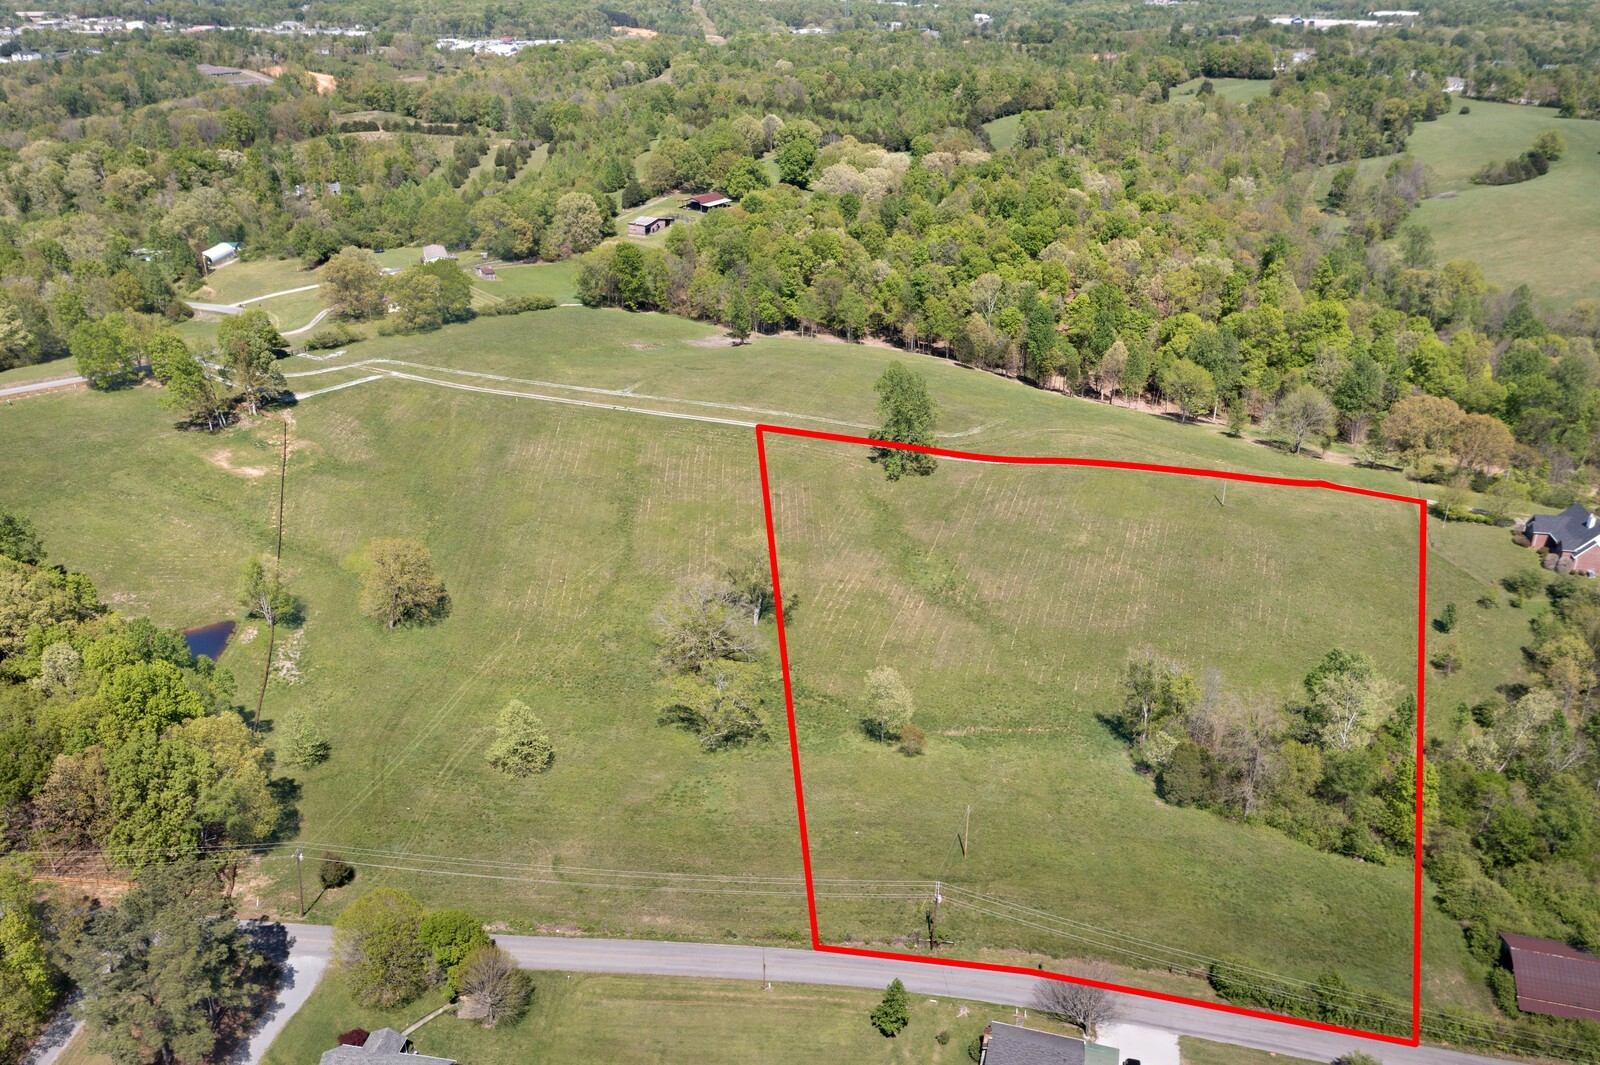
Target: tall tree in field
738 311
1302 413
193 389
890 705
352 284
400 586
521 746
377 944
263 595
167 969
700 625
892 1014
249 346
908 414
577 226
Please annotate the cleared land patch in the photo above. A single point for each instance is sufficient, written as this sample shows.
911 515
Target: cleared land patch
1010 599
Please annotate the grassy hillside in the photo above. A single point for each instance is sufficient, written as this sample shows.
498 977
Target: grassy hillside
1538 232
558 529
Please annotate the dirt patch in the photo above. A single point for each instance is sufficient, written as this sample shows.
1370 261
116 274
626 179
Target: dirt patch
633 31
325 84
711 342
223 460
643 347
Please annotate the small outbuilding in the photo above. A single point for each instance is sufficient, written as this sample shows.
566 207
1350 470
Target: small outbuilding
486 272
1553 978
708 201
1573 536
1012 1044
383 1047
432 253
218 254
647 224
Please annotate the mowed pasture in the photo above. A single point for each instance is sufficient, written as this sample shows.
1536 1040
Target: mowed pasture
1010 599
558 530
1538 232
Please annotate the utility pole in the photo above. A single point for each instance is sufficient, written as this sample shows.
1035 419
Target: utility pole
933 912
299 875
765 986
966 831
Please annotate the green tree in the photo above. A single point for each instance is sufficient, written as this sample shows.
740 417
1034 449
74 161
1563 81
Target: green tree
1190 386
449 936
455 289
18 344
105 352
193 389
19 540
167 969
576 227
334 872
738 312
302 741
249 345
1302 413
521 747
889 704
909 414
399 586
892 1014
30 982
797 162
722 705
1550 144
744 177
263 595
352 284
377 945
698 627
1347 700
418 300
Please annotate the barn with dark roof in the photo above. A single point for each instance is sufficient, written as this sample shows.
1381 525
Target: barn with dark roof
1553 978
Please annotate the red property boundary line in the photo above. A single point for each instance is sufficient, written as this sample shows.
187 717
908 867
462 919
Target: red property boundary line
817 944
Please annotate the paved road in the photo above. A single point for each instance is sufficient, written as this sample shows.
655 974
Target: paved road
1004 989
40 386
216 308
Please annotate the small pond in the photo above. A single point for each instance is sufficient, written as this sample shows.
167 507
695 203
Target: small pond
209 640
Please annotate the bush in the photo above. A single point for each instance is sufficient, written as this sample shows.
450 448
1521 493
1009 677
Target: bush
892 1014
521 746
451 935
334 871
913 741
1465 110
354 1037
975 1048
943 1038
331 336
518 305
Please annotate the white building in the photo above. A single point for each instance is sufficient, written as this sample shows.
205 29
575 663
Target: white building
218 254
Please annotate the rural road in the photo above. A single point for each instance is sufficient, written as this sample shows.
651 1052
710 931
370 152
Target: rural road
784 965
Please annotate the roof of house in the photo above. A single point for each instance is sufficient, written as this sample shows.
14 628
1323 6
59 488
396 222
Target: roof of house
436 251
710 199
1011 1044
383 1047
645 220
1554 979
217 251
1571 530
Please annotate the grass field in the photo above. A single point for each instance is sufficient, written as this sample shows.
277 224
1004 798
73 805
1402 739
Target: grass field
588 1017
1239 90
1003 131
558 530
247 279
1538 232
1009 598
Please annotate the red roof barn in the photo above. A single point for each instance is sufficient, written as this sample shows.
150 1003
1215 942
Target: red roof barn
1554 979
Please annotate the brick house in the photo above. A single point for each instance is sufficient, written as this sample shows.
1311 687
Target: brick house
1573 536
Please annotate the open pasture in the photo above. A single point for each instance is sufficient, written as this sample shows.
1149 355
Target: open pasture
558 530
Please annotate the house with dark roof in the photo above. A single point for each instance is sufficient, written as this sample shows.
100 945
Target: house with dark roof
1011 1044
1573 536
706 201
383 1047
1553 978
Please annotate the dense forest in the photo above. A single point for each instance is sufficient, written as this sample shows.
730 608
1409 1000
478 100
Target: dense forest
1135 243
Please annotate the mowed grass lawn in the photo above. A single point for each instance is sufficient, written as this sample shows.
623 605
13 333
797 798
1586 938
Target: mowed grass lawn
591 1017
559 529
248 279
